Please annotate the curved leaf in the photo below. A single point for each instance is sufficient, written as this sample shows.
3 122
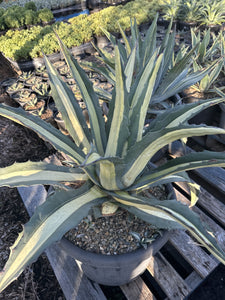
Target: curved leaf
90 98
138 156
126 41
69 108
174 211
129 69
61 211
177 115
31 173
142 101
118 131
148 46
175 166
44 130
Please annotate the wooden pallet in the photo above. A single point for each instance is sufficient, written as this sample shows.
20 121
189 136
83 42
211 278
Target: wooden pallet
174 272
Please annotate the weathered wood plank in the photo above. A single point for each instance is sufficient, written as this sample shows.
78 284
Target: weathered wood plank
74 284
194 255
216 229
137 289
193 280
171 283
215 176
212 205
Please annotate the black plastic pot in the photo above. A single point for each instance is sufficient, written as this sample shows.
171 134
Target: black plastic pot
182 25
114 270
39 62
209 115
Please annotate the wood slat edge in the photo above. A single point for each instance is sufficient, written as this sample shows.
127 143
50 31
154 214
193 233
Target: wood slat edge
169 280
201 262
137 289
216 229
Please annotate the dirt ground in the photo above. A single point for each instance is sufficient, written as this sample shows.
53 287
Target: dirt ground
17 143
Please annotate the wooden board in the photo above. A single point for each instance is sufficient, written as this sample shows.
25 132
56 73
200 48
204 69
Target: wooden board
137 289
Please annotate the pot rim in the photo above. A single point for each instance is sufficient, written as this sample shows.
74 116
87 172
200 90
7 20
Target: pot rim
127 258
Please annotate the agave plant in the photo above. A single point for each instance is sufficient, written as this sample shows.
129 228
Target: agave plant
207 51
190 10
171 9
207 45
213 13
110 157
174 72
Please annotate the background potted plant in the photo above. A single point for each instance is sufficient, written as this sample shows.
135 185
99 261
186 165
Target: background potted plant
110 157
176 67
189 13
213 14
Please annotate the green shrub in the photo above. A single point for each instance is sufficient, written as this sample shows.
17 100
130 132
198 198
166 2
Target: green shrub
31 17
14 17
17 16
45 15
53 4
2 11
12 21
30 5
2 24
80 30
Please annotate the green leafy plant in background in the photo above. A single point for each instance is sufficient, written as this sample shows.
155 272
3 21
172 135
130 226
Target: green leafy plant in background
30 17
30 5
190 10
205 12
2 24
17 16
26 44
213 13
45 15
110 157
13 17
171 9
175 70
208 52
52 4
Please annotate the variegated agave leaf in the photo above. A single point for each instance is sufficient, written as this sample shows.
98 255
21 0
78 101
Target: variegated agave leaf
112 157
174 167
30 173
172 211
138 155
171 78
44 130
60 212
